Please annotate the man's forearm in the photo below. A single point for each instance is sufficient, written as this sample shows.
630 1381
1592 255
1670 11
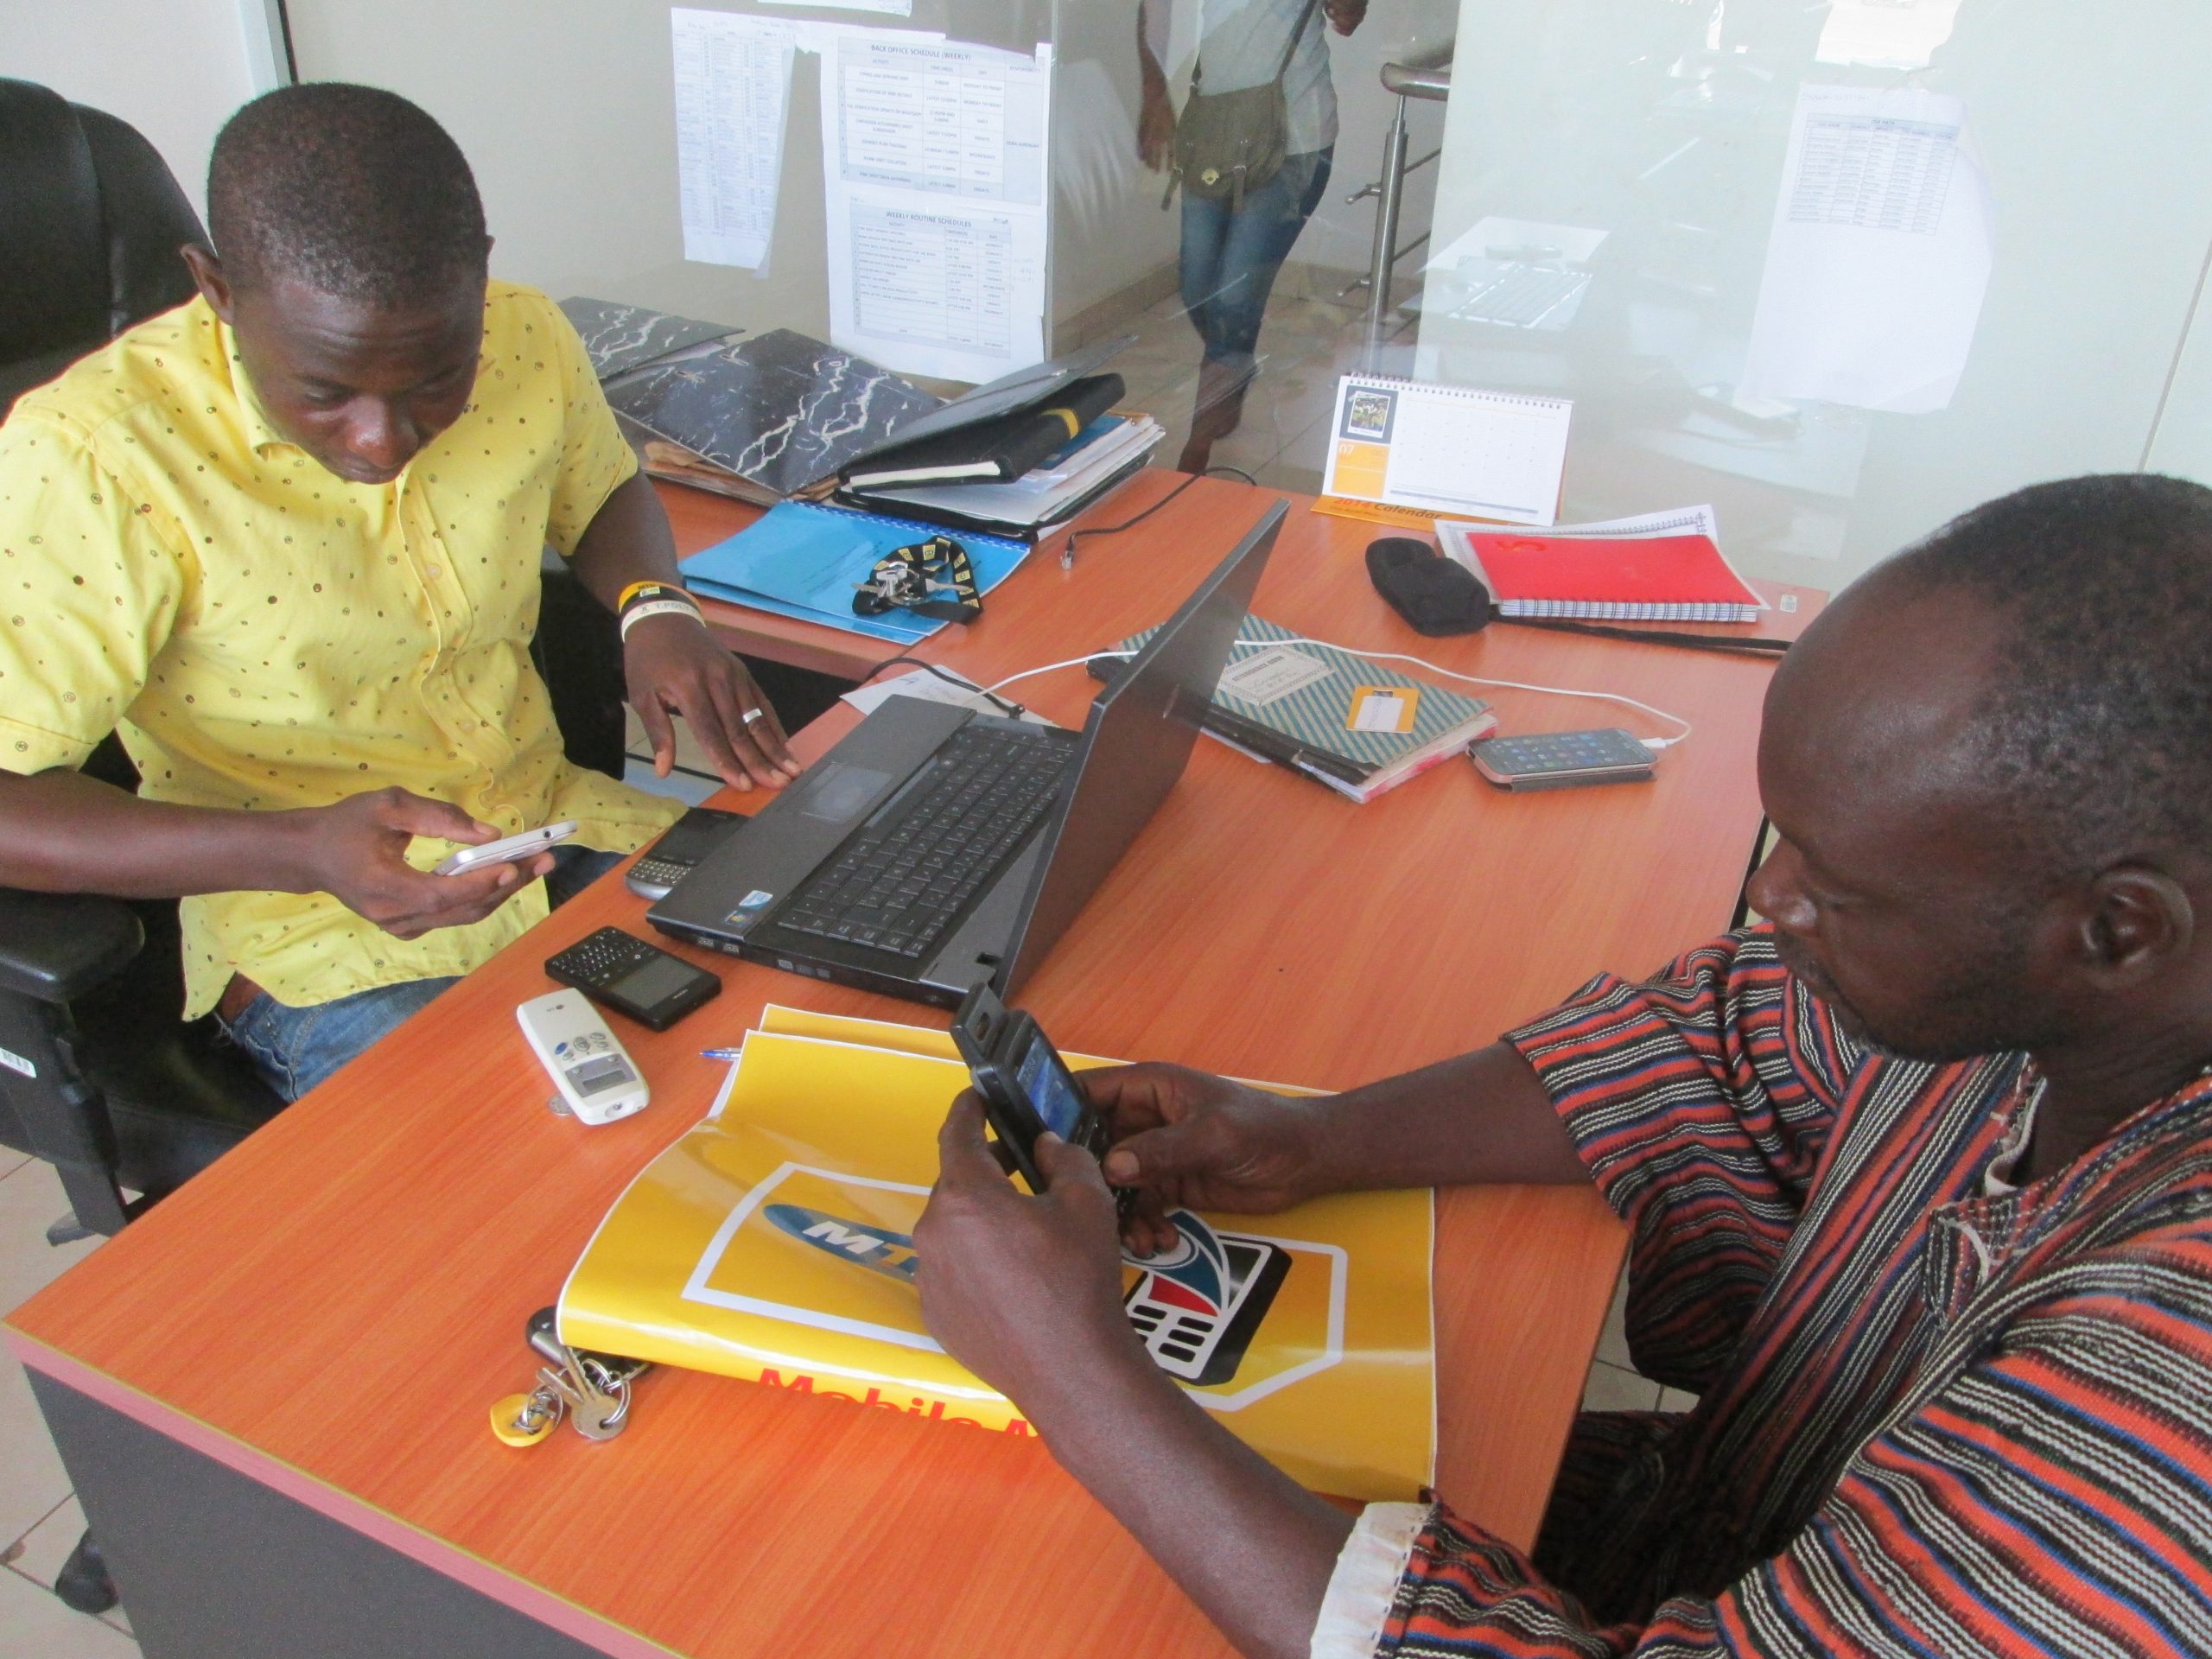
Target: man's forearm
1252 1547
628 540
1153 21
62 832
1484 1117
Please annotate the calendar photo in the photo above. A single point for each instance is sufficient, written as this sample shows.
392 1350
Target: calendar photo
1367 414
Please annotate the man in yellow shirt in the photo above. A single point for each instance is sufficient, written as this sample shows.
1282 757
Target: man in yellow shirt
285 540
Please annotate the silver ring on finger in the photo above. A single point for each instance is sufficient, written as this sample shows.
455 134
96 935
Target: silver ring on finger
752 715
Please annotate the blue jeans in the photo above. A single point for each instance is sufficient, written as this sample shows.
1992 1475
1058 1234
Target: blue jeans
294 1049
1229 259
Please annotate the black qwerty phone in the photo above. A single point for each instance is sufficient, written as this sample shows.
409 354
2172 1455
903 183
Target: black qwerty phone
620 971
681 845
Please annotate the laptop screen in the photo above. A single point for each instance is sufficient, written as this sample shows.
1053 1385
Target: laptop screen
1135 746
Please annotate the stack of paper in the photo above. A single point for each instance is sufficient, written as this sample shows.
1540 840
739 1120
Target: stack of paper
1082 471
774 1243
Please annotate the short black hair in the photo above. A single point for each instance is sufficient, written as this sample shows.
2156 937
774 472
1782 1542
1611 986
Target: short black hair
2095 732
351 190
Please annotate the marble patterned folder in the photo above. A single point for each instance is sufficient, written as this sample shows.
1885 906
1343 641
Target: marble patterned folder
773 413
621 338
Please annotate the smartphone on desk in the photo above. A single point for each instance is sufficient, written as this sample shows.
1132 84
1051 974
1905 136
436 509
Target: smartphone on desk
681 847
507 848
1025 1086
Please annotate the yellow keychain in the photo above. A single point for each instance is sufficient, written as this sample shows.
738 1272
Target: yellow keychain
525 1418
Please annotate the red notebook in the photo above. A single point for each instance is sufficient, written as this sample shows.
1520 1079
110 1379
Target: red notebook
1624 578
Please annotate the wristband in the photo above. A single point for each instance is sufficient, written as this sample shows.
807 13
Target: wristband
638 612
649 588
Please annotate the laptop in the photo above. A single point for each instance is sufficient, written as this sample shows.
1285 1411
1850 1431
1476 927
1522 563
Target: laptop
935 848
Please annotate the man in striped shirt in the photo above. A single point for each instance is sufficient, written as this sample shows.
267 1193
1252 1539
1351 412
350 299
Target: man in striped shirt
1918 1172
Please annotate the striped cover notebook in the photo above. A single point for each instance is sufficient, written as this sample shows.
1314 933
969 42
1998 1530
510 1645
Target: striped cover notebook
1677 578
1358 726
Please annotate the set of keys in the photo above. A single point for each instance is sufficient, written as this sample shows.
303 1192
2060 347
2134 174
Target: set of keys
592 1390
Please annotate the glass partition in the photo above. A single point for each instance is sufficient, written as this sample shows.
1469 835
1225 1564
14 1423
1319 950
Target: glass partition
1841 270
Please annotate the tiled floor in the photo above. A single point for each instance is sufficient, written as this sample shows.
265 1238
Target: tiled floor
39 1518
1305 344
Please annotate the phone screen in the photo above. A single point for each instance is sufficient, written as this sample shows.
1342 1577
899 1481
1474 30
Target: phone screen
1049 1089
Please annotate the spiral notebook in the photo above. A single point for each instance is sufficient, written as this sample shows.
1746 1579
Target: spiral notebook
1662 567
804 559
1448 449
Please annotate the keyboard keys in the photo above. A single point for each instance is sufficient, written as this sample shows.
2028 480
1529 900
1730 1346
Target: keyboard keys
900 889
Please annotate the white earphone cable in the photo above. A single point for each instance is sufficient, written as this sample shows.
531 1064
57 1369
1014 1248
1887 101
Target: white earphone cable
1398 657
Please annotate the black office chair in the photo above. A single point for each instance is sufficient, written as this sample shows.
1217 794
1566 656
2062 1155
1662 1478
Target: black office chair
99 1075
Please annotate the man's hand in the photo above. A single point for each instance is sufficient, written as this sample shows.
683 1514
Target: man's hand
356 851
674 665
1344 16
1156 126
1190 1139
1027 1293
1024 1291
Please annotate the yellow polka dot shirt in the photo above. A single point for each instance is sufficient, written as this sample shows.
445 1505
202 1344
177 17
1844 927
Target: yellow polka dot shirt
265 634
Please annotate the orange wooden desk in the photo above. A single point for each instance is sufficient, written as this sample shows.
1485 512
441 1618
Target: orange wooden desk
272 1390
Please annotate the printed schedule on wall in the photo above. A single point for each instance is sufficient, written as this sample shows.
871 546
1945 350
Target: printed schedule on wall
934 152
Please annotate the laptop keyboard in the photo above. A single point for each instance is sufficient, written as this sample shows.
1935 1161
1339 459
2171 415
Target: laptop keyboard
899 887
1519 295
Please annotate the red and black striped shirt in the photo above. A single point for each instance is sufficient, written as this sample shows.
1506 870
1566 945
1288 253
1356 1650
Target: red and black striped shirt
1938 1416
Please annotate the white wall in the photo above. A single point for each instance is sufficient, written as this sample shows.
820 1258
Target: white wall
566 111
564 108
175 69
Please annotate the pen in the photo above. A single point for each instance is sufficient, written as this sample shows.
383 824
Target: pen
720 1054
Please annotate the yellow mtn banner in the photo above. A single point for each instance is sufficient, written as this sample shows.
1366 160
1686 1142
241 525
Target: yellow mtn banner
773 1243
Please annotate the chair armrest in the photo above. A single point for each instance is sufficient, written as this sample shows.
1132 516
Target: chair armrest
54 946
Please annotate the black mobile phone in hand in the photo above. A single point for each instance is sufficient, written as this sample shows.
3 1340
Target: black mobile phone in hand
1025 1086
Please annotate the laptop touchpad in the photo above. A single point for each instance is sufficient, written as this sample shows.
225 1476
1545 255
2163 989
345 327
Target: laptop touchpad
841 791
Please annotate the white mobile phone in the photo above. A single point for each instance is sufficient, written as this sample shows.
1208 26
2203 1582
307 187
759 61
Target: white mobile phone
598 1080
507 848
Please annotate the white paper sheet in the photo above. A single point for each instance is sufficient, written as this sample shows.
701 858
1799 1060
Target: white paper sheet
889 8
733 76
1700 520
940 117
1879 255
935 153
929 688
1886 34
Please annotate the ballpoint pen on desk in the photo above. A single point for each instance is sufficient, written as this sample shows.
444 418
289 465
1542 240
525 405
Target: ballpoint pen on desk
721 1054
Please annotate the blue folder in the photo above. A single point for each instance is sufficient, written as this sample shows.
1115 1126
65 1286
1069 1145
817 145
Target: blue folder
802 559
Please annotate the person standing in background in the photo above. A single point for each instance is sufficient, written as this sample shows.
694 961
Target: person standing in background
1233 245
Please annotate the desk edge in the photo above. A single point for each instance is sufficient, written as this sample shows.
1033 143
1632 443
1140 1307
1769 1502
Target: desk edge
404 1538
